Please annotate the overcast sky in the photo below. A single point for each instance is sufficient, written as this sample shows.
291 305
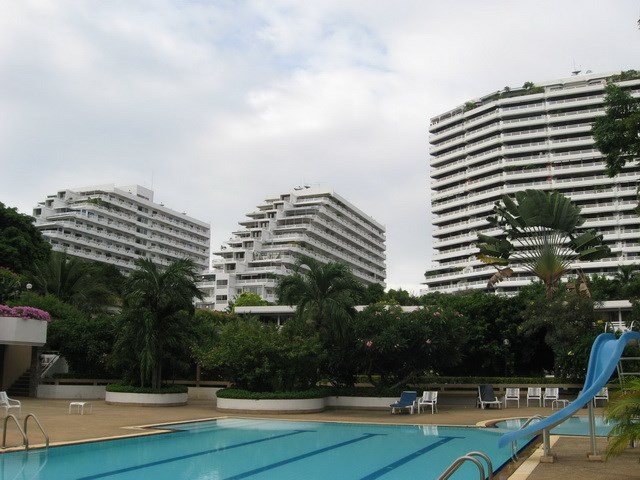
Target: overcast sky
216 105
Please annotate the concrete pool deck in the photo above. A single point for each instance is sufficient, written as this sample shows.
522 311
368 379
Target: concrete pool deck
108 421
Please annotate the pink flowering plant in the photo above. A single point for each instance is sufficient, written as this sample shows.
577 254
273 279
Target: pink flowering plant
24 312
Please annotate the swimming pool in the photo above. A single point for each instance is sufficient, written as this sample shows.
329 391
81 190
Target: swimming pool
233 449
572 426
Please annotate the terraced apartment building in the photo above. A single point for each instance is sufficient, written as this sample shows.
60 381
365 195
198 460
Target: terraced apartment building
312 221
118 225
535 137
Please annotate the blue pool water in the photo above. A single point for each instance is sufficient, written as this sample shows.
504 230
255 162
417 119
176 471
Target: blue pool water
227 449
572 426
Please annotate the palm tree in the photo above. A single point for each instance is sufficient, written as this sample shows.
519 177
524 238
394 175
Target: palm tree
76 281
624 411
324 294
157 314
541 234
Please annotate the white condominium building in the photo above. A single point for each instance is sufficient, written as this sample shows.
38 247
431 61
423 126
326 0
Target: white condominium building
118 225
535 137
311 221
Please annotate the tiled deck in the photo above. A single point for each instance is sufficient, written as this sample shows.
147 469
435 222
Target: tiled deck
116 421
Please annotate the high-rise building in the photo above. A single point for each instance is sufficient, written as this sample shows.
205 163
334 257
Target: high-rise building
118 225
312 221
535 137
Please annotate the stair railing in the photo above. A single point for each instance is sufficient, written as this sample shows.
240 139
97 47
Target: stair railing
35 419
470 457
25 440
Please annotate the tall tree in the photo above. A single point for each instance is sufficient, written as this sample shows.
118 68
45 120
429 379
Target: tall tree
541 233
617 133
157 317
21 244
325 295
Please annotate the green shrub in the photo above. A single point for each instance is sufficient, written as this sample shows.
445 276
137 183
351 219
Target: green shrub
260 358
117 387
247 395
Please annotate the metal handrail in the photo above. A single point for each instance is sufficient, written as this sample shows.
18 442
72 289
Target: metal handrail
529 420
514 453
4 435
469 457
31 415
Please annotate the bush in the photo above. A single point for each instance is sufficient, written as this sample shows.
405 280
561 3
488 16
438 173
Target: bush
120 388
248 395
258 357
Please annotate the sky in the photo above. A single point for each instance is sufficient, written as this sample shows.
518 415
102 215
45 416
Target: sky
217 105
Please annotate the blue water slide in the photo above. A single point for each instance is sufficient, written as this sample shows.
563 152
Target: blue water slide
605 355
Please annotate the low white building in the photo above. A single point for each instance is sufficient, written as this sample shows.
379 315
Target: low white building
312 221
118 225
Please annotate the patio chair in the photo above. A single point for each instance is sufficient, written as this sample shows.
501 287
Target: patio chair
603 395
550 394
486 397
428 398
513 395
407 400
9 403
534 393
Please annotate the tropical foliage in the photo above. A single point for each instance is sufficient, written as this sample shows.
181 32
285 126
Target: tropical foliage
90 286
155 328
21 244
325 296
624 410
395 348
540 233
260 357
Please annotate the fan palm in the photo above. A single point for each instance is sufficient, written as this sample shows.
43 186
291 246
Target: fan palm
156 317
324 294
541 233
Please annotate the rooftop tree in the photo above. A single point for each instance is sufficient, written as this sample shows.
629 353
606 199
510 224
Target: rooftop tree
540 233
617 133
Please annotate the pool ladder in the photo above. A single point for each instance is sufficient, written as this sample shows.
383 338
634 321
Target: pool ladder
470 457
23 430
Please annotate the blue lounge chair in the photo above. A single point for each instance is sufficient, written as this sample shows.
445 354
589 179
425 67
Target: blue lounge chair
407 400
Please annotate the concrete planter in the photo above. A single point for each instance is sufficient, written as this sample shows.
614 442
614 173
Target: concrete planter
306 405
80 392
146 399
368 403
22 331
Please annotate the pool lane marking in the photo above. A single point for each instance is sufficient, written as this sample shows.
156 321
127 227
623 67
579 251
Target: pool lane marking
398 463
271 466
191 455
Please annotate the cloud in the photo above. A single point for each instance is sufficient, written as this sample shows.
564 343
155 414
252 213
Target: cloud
216 105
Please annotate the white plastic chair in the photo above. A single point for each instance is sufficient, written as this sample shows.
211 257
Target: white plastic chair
534 393
428 398
550 394
603 395
513 395
9 403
